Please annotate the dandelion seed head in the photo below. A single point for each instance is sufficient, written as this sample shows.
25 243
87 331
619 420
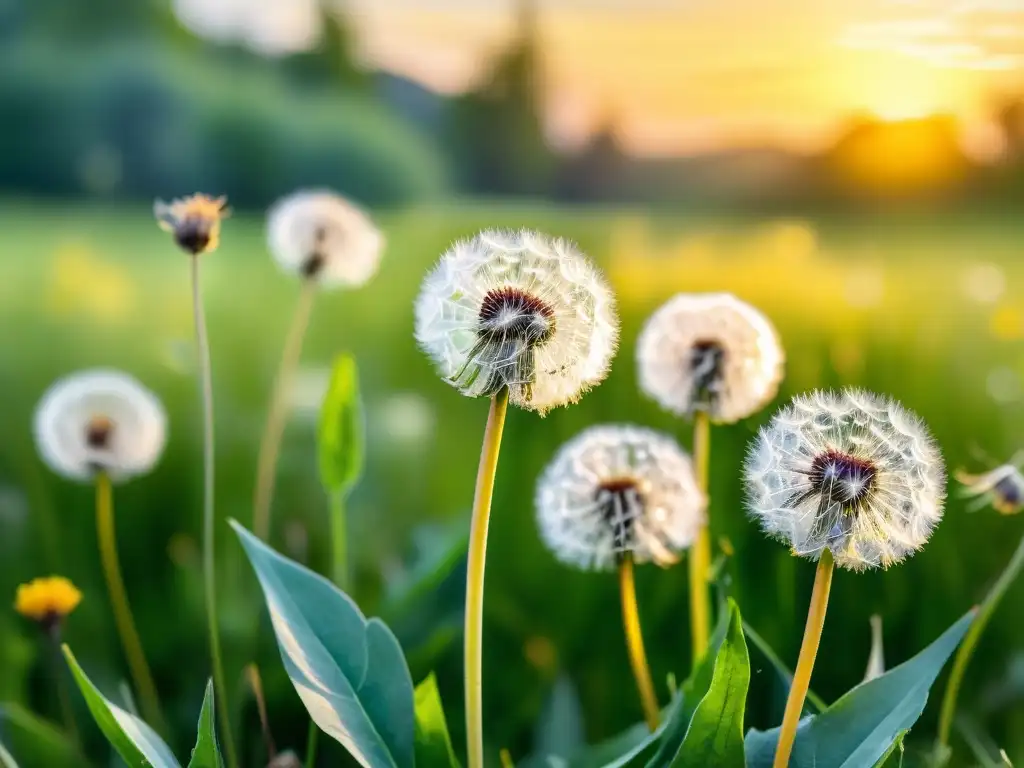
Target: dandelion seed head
1001 488
709 352
100 421
322 236
849 471
615 490
522 310
194 221
47 601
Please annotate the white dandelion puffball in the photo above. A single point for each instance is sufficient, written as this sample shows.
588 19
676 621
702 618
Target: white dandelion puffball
323 237
615 490
709 352
100 421
852 472
1002 487
520 310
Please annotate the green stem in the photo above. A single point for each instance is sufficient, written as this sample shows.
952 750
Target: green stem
209 550
963 655
635 643
137 665
475 578
339 541
700 553
311 739
277 413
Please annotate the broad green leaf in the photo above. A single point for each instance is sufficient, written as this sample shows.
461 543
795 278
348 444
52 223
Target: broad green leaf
715 735
862 726
340 436
693 691
433 744
630 747
348 671
136 743
6 758
206 753
34 741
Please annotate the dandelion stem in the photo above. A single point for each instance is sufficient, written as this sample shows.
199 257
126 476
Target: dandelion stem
805 663
700 554
60 680
635 642
209 563
311 740
339 541
963 655
137 665
273 430
475 578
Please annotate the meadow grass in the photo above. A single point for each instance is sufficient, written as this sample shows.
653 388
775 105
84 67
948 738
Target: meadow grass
923 308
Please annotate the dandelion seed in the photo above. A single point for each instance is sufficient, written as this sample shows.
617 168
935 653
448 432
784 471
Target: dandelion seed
324 238
194 221
616 490
519 310
100 421
711 353
1002 488
851 472
47 601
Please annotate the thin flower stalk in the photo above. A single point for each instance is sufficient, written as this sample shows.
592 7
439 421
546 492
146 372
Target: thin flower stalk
700 555
635 643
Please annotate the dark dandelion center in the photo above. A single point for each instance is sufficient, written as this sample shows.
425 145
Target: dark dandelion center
842 484
511 325
315 260
707 359
620 502
1009 492
192 234
98 432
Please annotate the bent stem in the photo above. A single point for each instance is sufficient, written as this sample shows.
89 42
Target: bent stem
273 430
700 554
963 655
475 578
805 663
339 541
209 575
137 665
635 642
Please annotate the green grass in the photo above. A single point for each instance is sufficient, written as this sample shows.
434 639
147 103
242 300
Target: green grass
884 303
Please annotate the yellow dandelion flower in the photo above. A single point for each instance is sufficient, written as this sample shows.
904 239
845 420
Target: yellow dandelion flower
47 600
194 221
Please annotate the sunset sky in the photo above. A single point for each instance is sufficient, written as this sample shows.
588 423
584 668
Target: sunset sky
691 75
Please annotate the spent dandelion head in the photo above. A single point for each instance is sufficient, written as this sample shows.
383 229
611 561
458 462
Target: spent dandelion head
100 421
1002 487
852 472
709 352
325 238
194 221
520 310
615 490
47 601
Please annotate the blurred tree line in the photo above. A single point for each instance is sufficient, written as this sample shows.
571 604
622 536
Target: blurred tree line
114 98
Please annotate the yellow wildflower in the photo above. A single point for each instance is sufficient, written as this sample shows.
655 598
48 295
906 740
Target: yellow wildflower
194 221
47 600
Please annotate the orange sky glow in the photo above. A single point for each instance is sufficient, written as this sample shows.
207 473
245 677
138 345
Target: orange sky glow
681 76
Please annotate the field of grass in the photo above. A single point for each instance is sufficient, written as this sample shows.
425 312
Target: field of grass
926 309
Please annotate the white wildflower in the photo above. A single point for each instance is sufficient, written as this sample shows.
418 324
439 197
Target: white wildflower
619 489
324 237
710 352
1002 487
522 310
852 472
100 421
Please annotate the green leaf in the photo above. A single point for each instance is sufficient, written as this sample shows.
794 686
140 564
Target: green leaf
560 730
340 436
629 747
6 758
433 744
715 735
35 741
861 727
206 753
136 743
348 671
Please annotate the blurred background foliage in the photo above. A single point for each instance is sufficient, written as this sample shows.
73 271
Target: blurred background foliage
889 258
